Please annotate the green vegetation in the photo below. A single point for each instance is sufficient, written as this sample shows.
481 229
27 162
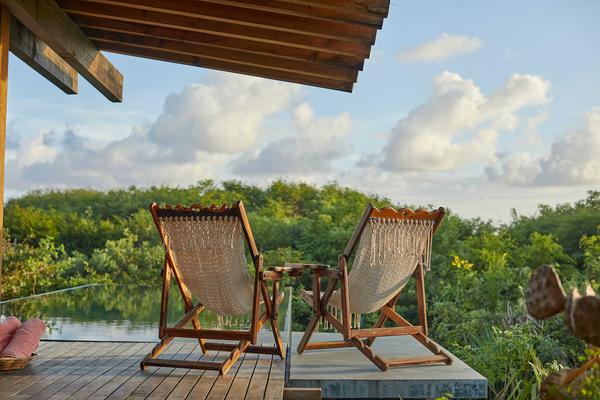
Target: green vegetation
475 289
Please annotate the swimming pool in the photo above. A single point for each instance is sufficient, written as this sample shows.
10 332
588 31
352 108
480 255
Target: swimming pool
111 313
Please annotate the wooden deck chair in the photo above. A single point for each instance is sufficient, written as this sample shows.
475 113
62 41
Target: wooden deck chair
391 247
205 254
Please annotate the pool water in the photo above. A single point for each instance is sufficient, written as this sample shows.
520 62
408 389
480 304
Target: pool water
112 313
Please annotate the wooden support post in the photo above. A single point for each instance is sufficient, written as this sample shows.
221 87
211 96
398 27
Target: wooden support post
4 46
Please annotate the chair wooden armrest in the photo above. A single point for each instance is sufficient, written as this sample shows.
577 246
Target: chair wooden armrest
296 269
292 270
271 275
313 267
317 269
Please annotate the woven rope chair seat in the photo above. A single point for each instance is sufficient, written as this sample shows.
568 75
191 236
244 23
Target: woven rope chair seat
387 255
210 253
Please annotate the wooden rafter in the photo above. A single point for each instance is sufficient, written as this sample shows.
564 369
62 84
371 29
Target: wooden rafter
184 22
245 16
377 7
41 58
224 66
51 25
319 43
229 55
217 41
312 42
348 12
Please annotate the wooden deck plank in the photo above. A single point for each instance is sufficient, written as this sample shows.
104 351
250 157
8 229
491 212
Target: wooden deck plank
256 390
186 384
121 374
71 375
110 370
158 376
51 369
38 381
221 387
239 387
45 346
167 386
43 358
205 382
138 378
276 382
85 383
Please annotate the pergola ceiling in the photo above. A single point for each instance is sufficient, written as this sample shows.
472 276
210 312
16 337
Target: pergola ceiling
319 43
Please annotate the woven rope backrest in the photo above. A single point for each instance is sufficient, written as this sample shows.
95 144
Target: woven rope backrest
387 254
209 251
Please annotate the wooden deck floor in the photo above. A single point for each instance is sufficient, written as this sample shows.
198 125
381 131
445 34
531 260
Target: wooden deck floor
110 370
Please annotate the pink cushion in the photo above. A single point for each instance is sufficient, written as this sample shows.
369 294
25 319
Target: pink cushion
26 339
7 329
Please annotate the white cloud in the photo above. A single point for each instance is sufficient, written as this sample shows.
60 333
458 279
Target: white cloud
225 116
440 48
574 157
572 160
199 131
518 169
532 135
376 55
458 125
311 148
468 195
215 129
38 149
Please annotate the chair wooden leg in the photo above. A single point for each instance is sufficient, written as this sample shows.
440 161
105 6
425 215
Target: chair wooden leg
364 346
277 338
355 342
421 303
312 325
433 347
201 342
156 350
383 317
233 356
421 337
378 324
222 367
272 312
368 352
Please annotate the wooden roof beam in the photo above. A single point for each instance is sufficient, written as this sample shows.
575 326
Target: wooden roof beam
315 9
221 12
218 41
125 14
50 24
378 7
41 58
263 72
228 55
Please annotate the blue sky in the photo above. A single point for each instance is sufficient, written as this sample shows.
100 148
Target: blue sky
477 106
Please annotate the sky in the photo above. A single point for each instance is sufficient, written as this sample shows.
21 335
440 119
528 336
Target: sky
476 106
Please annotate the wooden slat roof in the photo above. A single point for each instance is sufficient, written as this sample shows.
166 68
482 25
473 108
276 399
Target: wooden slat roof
320 43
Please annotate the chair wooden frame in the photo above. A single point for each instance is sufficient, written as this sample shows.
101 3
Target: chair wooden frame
363 339
245 340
